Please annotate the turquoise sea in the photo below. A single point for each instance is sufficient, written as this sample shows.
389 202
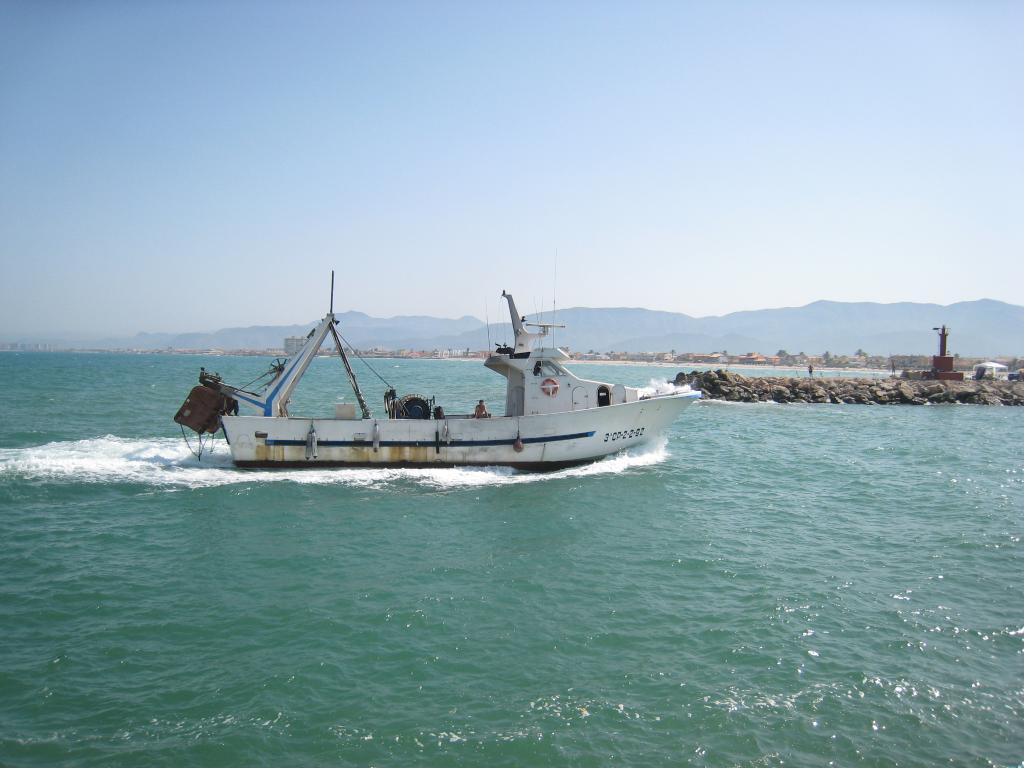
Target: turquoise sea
792 585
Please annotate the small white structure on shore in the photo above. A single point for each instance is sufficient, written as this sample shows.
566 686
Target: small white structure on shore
990 370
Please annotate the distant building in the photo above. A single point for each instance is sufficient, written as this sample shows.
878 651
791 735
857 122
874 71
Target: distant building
21 346
751 358
292 345
713 359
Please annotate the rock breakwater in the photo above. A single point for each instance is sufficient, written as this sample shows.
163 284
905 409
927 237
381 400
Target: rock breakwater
726 385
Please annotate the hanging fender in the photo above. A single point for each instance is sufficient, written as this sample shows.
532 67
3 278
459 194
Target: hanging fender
311 443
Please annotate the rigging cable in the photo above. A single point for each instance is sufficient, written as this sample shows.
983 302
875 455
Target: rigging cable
349 345
200 446
273 369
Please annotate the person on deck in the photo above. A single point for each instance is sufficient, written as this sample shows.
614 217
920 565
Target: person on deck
480 412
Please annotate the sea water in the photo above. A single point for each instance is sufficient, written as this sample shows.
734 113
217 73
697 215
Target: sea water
765 585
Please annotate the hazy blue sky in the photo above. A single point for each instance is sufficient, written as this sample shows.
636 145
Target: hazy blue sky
183 166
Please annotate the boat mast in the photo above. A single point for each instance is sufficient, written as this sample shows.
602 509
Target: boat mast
344 358
348 369
273 401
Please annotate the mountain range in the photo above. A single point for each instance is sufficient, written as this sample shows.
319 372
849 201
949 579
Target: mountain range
978 328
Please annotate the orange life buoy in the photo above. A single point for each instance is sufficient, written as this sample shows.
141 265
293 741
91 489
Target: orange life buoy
549 387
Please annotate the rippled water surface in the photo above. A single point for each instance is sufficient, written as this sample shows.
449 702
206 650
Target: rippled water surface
767 585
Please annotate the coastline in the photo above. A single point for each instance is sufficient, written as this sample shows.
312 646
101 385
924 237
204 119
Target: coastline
736 367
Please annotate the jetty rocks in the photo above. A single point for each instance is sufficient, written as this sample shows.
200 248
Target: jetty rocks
726 385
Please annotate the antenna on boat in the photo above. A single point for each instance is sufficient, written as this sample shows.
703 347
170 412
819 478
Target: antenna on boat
554 302
332 291
487 318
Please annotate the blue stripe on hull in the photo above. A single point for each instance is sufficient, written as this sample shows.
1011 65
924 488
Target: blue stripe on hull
428 443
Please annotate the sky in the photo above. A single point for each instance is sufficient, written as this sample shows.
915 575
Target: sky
185 166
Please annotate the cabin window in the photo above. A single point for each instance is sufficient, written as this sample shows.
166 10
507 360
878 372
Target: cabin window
604 397
548 368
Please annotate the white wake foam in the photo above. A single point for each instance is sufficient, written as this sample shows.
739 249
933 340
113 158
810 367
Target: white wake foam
168 463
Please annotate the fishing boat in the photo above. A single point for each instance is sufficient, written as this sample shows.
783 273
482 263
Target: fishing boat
552 418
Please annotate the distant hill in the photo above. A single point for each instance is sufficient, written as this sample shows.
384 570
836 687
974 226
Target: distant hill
360 329
983 327
979 328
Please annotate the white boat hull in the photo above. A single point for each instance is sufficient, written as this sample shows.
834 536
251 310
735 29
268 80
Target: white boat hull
545 441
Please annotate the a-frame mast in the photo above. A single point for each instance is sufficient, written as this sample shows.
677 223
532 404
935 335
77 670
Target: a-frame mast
273 400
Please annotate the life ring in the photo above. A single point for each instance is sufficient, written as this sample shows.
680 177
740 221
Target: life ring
549 387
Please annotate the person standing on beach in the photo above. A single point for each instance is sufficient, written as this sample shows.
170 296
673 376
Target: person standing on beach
810 371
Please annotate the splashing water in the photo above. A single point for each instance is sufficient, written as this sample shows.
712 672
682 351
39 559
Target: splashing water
663 387
167 462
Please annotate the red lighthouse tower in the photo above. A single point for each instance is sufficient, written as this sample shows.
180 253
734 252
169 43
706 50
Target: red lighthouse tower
942 363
